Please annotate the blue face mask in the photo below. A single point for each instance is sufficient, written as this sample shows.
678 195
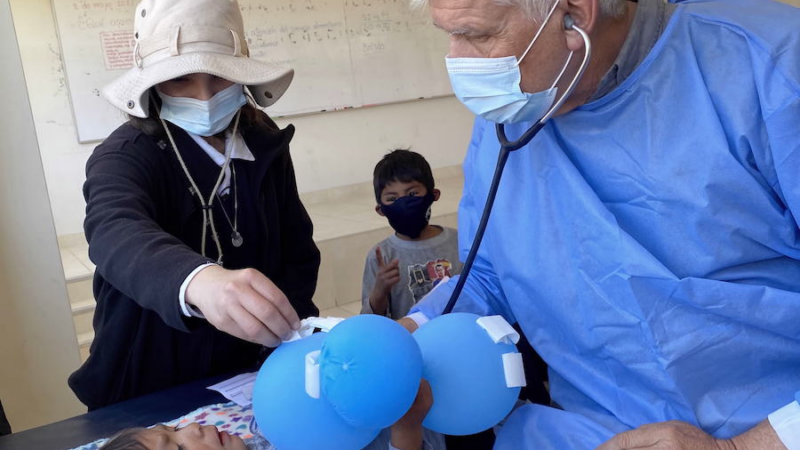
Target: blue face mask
409 215
489 87
203 117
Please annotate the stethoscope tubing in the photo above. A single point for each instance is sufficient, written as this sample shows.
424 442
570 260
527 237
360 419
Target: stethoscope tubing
506 147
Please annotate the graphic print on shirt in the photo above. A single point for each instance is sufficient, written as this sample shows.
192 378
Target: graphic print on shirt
424 277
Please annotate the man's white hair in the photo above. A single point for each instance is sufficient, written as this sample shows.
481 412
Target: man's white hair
539 8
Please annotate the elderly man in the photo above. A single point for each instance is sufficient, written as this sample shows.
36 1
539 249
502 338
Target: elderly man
646 240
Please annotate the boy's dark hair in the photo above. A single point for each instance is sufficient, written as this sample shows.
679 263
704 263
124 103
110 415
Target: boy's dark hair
401 165
125 440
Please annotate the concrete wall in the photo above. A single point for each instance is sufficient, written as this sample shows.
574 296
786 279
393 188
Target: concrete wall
38 349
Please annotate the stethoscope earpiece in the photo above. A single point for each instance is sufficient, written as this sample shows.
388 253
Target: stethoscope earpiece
568 22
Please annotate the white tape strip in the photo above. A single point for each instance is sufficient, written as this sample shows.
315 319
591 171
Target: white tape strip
308 325
325 324
312 374
499 330
514 370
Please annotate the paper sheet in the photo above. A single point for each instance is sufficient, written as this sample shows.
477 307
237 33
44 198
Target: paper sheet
238 389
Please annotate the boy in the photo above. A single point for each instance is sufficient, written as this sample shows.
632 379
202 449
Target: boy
404 267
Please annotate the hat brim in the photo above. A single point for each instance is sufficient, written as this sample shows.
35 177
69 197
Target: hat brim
266 83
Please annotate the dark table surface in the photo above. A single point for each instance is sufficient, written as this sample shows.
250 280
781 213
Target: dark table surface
139 412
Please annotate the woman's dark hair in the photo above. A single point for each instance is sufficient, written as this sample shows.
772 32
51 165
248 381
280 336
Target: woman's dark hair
126 440
404 166
252 118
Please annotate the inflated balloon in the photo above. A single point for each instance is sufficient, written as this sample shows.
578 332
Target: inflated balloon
474 370
370 369
291 418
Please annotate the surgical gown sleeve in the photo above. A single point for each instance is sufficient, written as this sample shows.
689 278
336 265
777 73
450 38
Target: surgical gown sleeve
482 293
783 130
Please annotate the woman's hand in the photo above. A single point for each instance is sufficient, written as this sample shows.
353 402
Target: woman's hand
407 432
243 303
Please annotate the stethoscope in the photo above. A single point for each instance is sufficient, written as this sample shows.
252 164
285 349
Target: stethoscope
506 147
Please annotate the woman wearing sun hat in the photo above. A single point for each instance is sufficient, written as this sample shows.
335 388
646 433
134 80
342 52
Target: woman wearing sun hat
203 249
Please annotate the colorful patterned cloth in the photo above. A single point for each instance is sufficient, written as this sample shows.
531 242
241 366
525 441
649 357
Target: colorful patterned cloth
236 420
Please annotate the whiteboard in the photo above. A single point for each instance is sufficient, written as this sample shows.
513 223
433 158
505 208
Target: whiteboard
346 54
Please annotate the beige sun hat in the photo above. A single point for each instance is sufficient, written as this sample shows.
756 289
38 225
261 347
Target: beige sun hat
180 37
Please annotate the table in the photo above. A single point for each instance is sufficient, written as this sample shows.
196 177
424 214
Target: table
138 412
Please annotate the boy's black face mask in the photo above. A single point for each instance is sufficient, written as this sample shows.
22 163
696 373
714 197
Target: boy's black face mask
409 215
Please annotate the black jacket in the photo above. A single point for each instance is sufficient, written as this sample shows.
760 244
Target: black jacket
5 428
140 216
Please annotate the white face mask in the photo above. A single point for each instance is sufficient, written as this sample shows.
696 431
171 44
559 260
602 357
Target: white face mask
203 117
489 87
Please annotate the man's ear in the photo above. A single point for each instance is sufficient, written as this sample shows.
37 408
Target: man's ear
585 13
436 194
379 211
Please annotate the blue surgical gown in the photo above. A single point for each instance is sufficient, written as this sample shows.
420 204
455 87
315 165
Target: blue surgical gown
648 242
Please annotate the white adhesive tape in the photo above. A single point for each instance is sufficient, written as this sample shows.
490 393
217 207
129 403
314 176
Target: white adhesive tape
514 370
312 374
499 330
308 325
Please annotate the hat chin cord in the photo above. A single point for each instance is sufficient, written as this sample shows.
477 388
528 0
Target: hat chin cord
205 205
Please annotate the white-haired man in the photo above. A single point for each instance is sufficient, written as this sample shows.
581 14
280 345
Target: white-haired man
647 239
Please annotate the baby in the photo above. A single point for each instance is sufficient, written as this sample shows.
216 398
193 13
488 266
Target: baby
194 436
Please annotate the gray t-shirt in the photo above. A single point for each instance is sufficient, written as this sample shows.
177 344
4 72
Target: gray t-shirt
423 264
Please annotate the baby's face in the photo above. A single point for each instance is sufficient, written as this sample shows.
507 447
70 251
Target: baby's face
192 437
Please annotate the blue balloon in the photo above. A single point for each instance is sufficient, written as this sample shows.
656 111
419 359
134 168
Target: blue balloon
370 370
291 419
465 370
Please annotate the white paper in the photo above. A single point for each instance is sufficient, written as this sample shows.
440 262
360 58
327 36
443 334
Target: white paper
238 389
